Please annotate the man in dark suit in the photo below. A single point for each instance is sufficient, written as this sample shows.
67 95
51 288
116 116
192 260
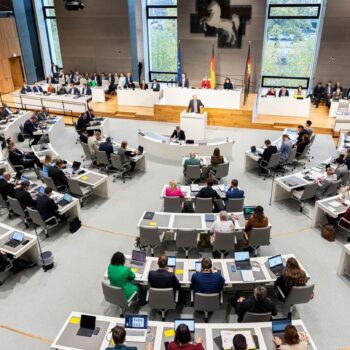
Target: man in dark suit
195 105
6 109
61 90
73 90
7 188
301 133
259 303
57 175
23 195
107 147
83 122
155 86
29 127
266 156
178 134
90 114
55 71
97 79
328 91
111 83
184 81
164 277
86 90
47 207
37 88
26 89
209 192
19 157
318 93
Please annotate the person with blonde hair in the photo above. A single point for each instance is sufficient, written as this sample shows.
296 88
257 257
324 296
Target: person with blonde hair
173 191
46 164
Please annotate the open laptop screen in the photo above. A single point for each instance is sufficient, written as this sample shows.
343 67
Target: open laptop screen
275 261
249 210
18 236
171 261
188 322
242 256
87 321
278 326
138 255
136 321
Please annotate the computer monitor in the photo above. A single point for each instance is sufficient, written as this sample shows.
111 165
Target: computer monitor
242 256
279 325
18 236
138 255
275 261
136 321
188 322
171 261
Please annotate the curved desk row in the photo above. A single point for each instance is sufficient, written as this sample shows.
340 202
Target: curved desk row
161 148
11 127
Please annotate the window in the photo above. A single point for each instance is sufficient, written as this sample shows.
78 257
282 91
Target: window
52 32
290 42
162 39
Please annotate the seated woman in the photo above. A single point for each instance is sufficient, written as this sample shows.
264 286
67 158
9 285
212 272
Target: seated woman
292 340
299 93
239 342
47 164
216 159
224 225
301 145
121 276
292 276
271 92
127 155
173 191
182 340
227 84
205 83
257 220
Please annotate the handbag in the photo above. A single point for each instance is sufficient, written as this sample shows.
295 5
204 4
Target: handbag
328 232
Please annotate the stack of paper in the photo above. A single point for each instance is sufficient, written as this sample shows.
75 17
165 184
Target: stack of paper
227 339
247 275
335 204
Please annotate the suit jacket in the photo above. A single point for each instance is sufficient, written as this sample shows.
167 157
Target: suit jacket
29 127
191 161
155 87
26 89
163 279
111 80
37 89
7 189
82 123
46 206
234 193
228 86
97 80
86 91
74 90
55 70
181 135
280 93
268 152
207 283
207 192
252 305
190 107
185 83
58 176
285 150
106 147
16 157
24 198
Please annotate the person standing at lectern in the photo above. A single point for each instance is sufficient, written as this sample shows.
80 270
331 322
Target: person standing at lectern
195 105
178 134
184 81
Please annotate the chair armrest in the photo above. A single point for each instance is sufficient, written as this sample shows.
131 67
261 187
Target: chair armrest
132 296
177 296
52 218
147 295
162 236
263 162
279 291
246 236
221 297
192 296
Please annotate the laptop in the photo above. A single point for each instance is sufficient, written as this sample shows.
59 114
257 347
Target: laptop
67 198
248 211
172 261
242 261
16 239
87 326
76 166
138 257
276 264
136 328
140 149
149 215
198 266
41 189
209 217
279 325
189 322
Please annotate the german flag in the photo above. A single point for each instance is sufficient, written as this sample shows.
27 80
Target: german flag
212 70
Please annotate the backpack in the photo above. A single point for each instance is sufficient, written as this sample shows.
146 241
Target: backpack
20 137
75 225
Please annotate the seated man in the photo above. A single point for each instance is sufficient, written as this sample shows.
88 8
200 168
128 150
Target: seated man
86 90
93 142
341 171
155 86
84 136
209 192
17 158
283 92
7 109
234 191
193 160
47 207
258 303
57 174
43 114
195 105
83 122
317 94
286 148
37 88
61 90
29 127
268 152
26 89
7 188
73 90
164 277
107 147
323 184
23 195
126 155
207 281
301 133
308 127
178 134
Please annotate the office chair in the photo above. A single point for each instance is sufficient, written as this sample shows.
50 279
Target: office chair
186 239
17 209
250 317
78 133
303 155
173 204
203 205
102 159
6 267
4 205
259 236
48 181
302 196
82 192
193 173
224 242
345 225
297 295
115 296
291 159
270 165
162 299
221 171
332 189
37 220
235 205
87 154
26 136
121 169
206 303
150 237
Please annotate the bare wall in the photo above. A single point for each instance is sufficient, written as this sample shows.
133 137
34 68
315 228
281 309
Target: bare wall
196 48
335 43
96 38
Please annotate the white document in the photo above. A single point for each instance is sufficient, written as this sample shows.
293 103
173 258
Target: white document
222 188
194 187
335 204
227 339
247 275
185 189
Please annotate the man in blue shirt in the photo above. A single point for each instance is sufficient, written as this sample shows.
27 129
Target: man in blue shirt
234 191
207 281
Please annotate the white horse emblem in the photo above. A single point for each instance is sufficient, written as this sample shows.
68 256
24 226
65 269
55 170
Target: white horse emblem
228 26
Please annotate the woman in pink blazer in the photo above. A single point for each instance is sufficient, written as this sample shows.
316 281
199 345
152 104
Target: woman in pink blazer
173 191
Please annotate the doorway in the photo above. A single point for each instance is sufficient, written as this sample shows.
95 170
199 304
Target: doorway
16 71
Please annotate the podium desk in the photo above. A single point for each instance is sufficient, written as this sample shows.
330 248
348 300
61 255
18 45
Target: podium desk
194 125
138 97
98 94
